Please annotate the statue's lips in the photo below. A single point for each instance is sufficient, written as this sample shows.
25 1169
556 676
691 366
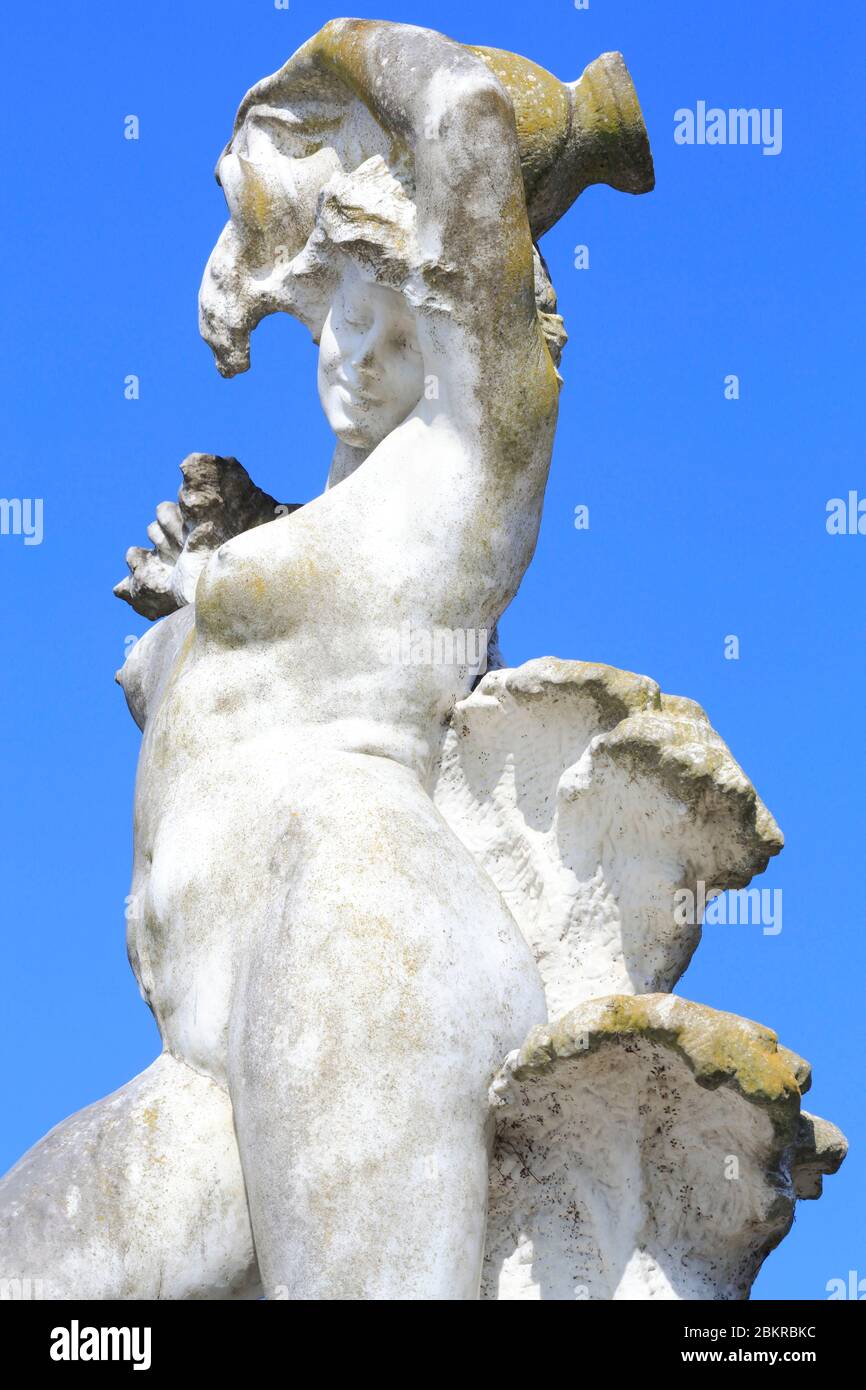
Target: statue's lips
356 396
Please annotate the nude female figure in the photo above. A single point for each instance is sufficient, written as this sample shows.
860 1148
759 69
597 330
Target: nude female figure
334 978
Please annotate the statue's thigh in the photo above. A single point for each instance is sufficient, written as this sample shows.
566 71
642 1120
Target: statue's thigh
375 1004
139 1196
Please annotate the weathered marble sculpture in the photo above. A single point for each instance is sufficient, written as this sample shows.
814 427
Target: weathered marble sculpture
366 872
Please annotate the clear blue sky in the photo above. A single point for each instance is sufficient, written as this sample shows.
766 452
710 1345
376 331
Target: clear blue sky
707 515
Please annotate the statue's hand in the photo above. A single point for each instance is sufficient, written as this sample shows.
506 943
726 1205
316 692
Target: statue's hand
217 500
148 587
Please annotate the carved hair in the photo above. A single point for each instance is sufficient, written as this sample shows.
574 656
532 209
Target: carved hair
368 217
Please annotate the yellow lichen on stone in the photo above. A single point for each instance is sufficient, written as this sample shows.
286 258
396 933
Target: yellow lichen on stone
719 1048
542 108
255 200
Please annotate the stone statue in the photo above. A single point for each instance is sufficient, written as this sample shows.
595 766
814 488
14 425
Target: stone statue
370 862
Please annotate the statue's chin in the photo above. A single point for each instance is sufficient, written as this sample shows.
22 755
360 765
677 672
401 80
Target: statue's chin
356 439
360 435
367 428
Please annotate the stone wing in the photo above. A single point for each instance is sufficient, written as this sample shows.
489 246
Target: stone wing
598 806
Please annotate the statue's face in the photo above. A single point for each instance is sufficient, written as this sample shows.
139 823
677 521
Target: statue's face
371 374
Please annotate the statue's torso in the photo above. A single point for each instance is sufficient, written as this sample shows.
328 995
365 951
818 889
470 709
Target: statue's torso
303 654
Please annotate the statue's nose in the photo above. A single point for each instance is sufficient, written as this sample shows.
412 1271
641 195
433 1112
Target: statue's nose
364 356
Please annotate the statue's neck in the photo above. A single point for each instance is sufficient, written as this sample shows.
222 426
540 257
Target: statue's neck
345 461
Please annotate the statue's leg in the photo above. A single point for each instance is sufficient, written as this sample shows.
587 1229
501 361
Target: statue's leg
139 1196
379 996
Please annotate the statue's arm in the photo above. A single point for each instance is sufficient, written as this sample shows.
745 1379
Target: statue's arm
456 118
